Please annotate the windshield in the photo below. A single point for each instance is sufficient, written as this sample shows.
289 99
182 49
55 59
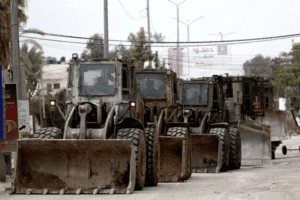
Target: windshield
195 94
97 79
151 85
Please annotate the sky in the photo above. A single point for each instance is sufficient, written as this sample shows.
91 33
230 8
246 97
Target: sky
244 19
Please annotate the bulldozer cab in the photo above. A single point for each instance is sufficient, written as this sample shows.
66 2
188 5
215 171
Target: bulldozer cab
200 96
104 81
156 90
248 93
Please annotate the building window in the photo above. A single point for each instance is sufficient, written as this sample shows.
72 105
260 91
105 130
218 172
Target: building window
56 86
49 87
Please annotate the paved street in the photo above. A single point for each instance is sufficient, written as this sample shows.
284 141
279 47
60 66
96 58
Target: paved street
277 182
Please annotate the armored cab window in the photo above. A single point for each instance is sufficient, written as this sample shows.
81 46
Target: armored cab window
195 94
151 85
97 79
125 84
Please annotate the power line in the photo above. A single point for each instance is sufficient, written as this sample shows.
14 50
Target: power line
127 12
155 42
194 42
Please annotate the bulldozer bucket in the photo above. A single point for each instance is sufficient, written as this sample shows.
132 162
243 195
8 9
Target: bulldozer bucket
75 166
174 158
206 153
255 142
283 123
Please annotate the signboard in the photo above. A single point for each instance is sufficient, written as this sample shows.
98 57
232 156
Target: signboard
2 108
222 50
11 111
173 59
205 61
23 113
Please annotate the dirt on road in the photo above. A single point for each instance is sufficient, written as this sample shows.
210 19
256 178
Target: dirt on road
277 181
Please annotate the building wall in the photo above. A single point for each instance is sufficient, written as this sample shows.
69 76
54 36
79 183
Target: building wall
55 74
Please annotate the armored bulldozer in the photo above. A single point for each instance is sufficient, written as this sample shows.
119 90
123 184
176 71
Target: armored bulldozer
155 105
102 148
262 126
204 109
244 100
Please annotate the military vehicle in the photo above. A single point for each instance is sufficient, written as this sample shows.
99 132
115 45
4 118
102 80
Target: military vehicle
155 105
102 148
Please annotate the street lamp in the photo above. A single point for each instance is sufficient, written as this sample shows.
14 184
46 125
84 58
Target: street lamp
220 34
188 34
177 5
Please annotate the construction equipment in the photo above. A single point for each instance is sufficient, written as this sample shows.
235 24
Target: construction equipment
245 102
204 109
155 106
102 148
262 127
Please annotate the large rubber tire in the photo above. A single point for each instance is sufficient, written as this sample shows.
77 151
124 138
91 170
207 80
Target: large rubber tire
235 149
224 136
48 133
137 137
153 157
183 132
284 150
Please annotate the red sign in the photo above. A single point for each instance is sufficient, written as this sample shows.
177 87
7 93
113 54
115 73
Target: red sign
222 50
11 111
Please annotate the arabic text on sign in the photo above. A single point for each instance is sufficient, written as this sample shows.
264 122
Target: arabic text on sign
202 64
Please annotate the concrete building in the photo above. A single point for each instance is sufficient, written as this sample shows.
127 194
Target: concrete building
55 78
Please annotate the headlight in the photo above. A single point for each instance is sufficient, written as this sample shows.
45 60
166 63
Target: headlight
120 57
74 56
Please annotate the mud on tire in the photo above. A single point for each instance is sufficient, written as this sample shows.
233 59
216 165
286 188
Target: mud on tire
138 140
153 157
224 136
234 149
48 133
182 132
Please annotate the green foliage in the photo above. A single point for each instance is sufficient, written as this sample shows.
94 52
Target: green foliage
141 52
258 66
32 59
5 32
286 69
94 48
121 49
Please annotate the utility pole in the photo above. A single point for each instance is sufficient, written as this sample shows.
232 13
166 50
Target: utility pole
188 35
149 31
43 99
15 56
15 45
105 30
177 57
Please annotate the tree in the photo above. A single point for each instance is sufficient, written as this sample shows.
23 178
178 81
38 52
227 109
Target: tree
32 60
286 69
141 51
258 66
94 48
120 49
5 32
35 58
